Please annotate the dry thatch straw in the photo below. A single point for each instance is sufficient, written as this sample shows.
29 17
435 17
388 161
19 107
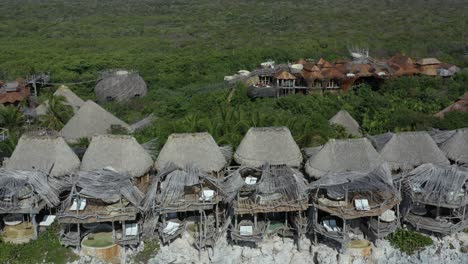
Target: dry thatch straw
275 179
337 183
90 120
123 153
107 185
407 150
344 119
198 149
120 85
173 182
272 145
439 185
25 190
344 155
456 147
49 154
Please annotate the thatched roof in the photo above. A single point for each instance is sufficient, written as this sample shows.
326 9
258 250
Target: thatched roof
284 75
378 179
332 74
275 179
90 120
123 153
44 153
71 99
120 85
272 145
456 147
439 185
199 149
379 141
25 190
173 182
342 156
321 62
344 119
107 185
408 150
461 105
428 61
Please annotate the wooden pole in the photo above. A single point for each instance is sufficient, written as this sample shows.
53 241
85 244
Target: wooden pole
34 223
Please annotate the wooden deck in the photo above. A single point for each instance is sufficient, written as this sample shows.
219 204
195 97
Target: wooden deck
96 214
349 210
249 206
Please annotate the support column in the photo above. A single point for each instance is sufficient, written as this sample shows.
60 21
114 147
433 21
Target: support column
34 223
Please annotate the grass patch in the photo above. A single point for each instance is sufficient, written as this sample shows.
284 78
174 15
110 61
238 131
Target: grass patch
409 241
46 248
150 250
99 240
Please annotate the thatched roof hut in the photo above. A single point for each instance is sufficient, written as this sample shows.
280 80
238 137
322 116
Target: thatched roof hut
439 193
376 186
284 75
344 119
456 147
332 74
107 196
71 99
428 61
272 145
342 156
439 185
461 105
123 153
120 85
91 120
407 150
25 191
44 153
198 149
279 189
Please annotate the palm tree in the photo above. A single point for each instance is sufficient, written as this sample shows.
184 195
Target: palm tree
11 118
58 113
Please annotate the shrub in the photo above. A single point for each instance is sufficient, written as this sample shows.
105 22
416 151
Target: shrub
409 241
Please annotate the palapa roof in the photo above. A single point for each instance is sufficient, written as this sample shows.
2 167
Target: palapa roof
408 150
344 155
314 74
327 64
272 145
321 62
344 119
71 99
44 153
25 190
284 75
332 74
280 187
123 153
456 147
428 61
107 185
461 104
174 183
439 185
120 85
89 121
376 186
198 149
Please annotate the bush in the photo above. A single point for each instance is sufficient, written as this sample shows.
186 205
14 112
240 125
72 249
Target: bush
409 241
150 250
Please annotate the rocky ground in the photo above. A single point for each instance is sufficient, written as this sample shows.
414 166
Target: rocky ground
448 250
276 250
